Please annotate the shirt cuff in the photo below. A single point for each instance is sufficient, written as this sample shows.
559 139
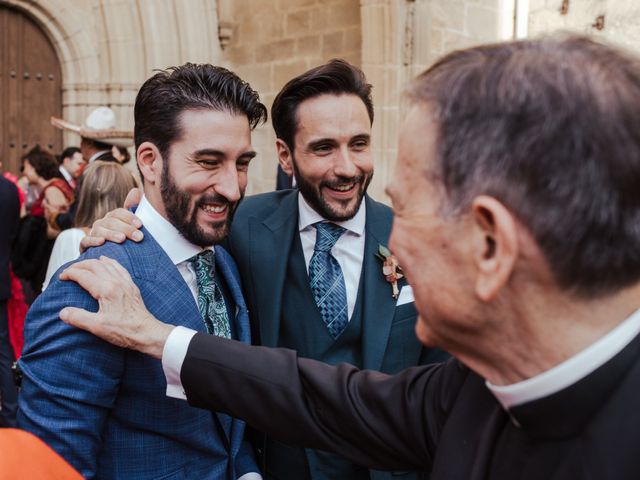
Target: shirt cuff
251 476
173 354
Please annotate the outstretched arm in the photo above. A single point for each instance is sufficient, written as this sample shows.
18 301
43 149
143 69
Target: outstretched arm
376 420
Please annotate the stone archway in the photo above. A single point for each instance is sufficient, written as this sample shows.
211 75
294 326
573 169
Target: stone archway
30 88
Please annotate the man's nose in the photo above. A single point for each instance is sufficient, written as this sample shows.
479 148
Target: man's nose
228 183
344 165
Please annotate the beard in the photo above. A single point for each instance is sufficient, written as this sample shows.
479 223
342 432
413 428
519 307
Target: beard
184 217
313 195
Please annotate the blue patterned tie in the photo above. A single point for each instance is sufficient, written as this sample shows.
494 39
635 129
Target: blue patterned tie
326 279
210 300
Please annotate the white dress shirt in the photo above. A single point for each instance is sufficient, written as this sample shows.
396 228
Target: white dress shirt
96 155
67 176
571 370
179 250
348 250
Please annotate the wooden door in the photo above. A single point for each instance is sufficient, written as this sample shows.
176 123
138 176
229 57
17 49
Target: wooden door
30 89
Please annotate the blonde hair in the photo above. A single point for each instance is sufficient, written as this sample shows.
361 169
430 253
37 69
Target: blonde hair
104 186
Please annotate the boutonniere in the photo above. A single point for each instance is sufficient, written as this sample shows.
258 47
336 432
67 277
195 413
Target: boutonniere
390 269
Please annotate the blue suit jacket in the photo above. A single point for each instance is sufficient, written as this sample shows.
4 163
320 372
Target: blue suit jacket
104 408
260 242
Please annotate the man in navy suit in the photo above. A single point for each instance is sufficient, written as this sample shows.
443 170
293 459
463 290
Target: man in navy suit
102 408
323 119
9 217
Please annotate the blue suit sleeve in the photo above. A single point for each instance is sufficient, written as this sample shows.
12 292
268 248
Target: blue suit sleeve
245 460
70 378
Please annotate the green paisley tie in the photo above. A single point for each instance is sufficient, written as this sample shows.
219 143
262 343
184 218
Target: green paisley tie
210 300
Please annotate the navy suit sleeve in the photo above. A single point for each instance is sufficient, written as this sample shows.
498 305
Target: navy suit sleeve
70 378
245 460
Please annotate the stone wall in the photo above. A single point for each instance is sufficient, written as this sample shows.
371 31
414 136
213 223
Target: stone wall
620 22
274 40
107 48
400 40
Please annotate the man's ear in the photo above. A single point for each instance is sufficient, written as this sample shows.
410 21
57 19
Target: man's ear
285 157
495 245
150 162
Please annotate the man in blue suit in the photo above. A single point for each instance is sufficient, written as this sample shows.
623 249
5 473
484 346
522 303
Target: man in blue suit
103 408
322 120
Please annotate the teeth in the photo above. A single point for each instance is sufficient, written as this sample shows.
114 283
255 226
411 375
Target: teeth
343 188
214 208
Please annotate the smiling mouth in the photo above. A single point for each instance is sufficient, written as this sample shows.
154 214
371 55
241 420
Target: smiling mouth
214 209
347 187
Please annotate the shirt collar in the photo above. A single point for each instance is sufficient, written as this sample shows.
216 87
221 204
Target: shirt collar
178 248
307 216
96 155
67 176
571 370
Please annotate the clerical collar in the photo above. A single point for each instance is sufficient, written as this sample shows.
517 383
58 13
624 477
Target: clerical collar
307 216
168 237
571 370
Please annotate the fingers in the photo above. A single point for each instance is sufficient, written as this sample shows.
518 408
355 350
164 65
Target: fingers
79 317
117 226
118 273
90 275
89 241
90 322
133 198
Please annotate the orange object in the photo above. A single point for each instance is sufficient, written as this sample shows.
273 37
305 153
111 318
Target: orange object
23 455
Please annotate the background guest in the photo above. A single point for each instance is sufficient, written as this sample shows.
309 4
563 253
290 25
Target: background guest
104 188
71 165
9 217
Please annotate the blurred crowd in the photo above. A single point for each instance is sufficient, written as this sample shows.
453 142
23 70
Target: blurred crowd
57 198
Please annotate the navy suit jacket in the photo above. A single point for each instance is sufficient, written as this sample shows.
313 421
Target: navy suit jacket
104 408
261 241
9 217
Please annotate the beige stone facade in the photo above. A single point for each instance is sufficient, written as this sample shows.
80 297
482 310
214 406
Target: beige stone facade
107 48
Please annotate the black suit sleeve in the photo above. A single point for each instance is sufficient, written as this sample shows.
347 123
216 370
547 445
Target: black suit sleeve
375 420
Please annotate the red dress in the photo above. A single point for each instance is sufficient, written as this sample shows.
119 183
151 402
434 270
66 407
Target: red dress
37 209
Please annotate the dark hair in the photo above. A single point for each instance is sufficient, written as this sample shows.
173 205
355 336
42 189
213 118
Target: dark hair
68 153
335 77
549 127
164 96
43 162
98 145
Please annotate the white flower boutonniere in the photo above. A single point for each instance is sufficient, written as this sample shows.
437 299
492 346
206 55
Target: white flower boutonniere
390 269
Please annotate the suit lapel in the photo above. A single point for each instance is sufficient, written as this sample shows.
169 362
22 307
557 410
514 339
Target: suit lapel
378 306
169 290
227 270
270 242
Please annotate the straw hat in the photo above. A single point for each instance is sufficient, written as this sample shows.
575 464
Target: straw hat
100 125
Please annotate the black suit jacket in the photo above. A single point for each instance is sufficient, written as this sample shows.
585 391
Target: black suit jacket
9 218
439 416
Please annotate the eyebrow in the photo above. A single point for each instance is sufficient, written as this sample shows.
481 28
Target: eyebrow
359 136
212 152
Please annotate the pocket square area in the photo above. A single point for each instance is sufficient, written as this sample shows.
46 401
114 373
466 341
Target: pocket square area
406 295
